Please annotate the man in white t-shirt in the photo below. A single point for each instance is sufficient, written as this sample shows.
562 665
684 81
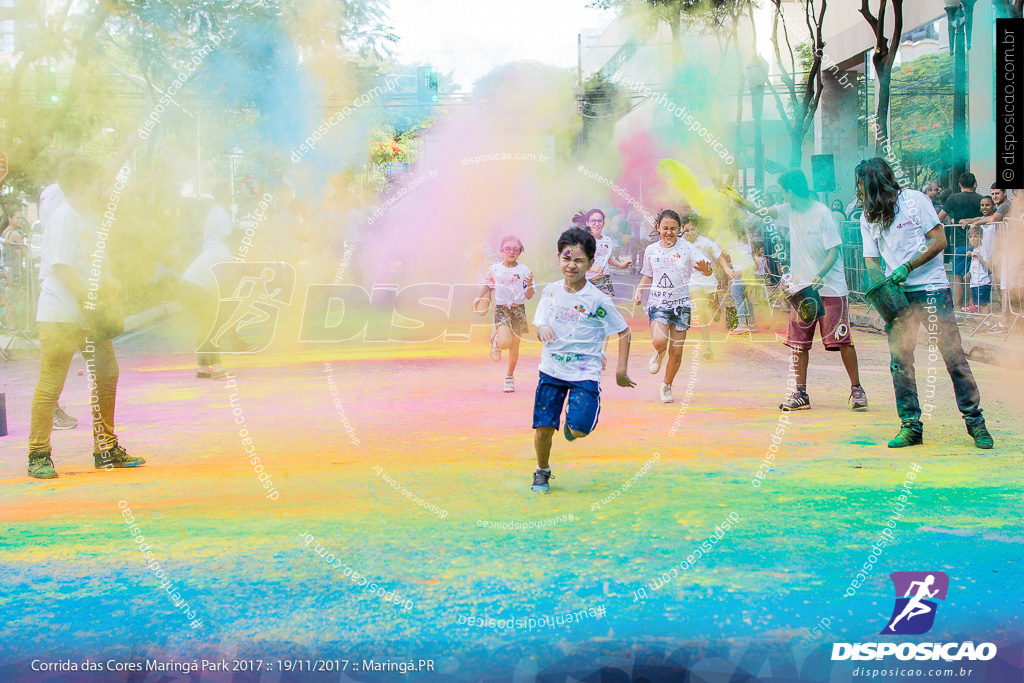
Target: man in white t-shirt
905 231
815 262
76 253
573 318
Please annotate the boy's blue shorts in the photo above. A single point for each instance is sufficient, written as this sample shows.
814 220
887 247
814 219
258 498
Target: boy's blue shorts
981 295
584 403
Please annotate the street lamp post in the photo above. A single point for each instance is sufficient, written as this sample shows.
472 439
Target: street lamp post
960 20
757 77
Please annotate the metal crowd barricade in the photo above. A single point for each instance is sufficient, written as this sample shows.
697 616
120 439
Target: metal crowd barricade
853 260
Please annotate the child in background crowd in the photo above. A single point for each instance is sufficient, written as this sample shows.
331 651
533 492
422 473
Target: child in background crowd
703 287
512 284
742 256
979 277
573 319
666 272
594 221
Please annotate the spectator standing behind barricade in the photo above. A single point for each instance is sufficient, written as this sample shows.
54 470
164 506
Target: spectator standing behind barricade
931 190
1008 257
978 276
837 211
989 221
900 226
963 204
12 269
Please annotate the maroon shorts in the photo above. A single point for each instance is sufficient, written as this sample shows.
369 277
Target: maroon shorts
834 326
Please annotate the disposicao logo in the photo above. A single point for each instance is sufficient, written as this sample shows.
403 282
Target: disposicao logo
914 614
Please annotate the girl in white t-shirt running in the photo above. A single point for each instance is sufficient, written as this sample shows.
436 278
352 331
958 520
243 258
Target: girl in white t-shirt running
666 273
512 284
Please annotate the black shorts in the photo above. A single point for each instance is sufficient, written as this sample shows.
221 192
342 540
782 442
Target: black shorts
514 316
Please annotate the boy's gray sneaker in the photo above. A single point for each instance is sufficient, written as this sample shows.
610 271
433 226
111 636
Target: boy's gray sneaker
540 481
62 420
859 398
40 465
798 400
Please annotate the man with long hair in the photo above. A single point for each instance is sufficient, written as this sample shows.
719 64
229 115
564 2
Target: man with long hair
900 226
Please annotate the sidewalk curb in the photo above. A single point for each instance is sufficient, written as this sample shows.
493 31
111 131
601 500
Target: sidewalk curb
979 350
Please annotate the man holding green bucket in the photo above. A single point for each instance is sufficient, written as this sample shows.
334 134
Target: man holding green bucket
901 227
815 266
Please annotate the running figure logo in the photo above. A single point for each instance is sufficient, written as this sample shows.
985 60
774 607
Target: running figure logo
258 291
914 613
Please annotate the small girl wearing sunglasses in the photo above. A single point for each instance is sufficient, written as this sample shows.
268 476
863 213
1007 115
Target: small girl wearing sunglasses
512 284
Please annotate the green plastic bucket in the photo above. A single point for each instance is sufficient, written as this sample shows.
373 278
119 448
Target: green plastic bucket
888 299
808 304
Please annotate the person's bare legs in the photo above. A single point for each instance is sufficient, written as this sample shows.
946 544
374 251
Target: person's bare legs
675 353
659 335
849 354
542 444
513 351
801 356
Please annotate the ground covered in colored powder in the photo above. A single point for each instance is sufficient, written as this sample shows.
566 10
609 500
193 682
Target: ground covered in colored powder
432 418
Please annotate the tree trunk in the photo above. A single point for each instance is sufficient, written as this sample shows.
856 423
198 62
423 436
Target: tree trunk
796 145
884 90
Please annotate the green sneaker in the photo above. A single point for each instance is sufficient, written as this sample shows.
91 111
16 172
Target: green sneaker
908 436
116 457
982 439
40 466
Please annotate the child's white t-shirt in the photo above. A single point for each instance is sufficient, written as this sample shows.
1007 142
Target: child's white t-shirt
581 321
509 284
979 273
601 257
707 248
669 269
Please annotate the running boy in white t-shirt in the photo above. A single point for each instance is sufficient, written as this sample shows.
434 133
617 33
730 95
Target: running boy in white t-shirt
816 262
703 287
979 275
512 284
666 272
573 319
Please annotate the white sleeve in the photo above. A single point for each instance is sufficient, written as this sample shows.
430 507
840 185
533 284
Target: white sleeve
613 321
926 216
870 247
647 270
830 229
713 248
542 317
